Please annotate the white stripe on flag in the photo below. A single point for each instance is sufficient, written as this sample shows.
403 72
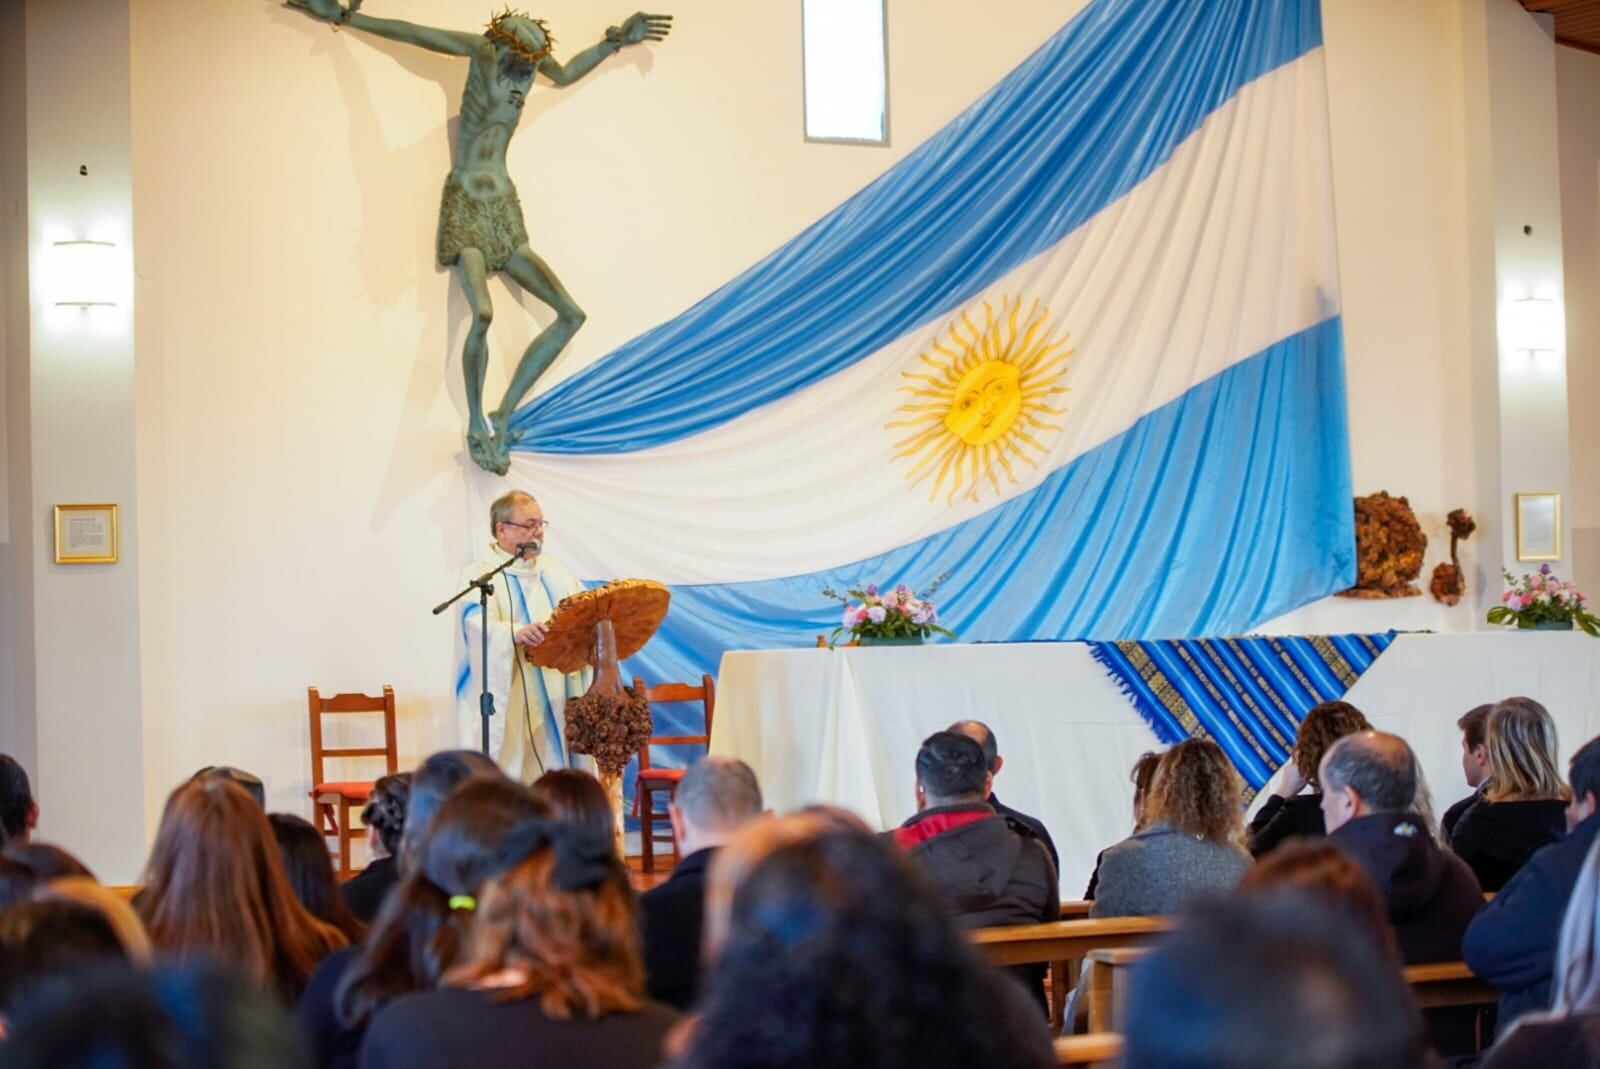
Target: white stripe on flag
1224 250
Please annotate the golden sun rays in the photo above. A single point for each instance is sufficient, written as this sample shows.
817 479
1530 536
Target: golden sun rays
980 400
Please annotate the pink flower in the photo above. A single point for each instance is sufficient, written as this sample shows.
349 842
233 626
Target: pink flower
1507 596
876 614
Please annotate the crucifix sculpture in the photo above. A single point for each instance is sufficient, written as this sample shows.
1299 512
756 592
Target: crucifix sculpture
480 218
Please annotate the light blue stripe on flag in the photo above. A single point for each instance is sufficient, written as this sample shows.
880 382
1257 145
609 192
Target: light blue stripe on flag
1081 122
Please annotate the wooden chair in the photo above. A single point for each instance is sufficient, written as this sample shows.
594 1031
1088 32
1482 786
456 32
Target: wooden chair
335 799
652 781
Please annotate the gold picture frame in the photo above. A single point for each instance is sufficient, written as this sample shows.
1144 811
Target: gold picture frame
86 534
1539 526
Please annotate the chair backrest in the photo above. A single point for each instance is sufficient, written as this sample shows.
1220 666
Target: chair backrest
705 694
352 703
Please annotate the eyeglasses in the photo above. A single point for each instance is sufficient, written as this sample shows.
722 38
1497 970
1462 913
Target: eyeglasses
531 525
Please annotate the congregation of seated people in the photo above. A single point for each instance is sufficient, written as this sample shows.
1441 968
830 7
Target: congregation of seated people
497 924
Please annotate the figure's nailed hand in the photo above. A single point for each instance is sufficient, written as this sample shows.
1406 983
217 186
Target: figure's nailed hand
326 10
640 27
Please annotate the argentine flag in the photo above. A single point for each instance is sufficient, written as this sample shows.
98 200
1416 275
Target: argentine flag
1079 353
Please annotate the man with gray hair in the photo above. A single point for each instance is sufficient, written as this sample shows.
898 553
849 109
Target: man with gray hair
1369 784
717 797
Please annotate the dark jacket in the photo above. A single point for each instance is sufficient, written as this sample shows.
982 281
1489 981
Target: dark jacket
1498 838
1512 943
987 873
1034 826
334 1045
1283 819
671 918
1453 815
364 893
1430 894
987 870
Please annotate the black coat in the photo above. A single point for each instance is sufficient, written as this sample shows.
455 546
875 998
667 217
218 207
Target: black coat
988 871
1453 815
1430 893
671 917
1033 825
1512 943
1282 819
1498 838
364 893
985 871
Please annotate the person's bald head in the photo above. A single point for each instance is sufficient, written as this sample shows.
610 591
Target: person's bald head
983 735
1368 772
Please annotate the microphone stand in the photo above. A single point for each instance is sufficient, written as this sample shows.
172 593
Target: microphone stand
484 585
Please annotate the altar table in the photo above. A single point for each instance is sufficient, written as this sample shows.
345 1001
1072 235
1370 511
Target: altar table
842 726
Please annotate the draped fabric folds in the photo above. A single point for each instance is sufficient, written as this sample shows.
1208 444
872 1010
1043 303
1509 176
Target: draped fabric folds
1079 353
1249 694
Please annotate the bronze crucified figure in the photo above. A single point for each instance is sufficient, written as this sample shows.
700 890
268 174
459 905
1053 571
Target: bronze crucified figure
480 218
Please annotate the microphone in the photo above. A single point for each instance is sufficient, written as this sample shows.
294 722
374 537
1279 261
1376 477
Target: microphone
533 544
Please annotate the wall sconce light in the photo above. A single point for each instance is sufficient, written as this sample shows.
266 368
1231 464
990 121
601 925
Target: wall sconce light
1533 330
84 274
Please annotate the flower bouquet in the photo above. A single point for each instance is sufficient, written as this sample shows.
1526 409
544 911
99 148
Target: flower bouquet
893 618
1542 602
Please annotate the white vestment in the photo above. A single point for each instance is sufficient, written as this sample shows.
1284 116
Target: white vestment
527 735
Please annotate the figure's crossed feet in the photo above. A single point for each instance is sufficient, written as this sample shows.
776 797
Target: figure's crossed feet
491 452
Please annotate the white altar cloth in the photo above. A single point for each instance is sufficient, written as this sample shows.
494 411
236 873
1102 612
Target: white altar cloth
843 726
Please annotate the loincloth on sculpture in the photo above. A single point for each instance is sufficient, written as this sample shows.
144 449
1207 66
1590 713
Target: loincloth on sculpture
492 224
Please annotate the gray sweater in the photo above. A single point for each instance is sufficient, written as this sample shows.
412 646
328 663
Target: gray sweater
1156 871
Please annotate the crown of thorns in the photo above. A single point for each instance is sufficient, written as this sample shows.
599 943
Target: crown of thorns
498 33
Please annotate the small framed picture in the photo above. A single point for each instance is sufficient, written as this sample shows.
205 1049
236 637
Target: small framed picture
1539 526
86 534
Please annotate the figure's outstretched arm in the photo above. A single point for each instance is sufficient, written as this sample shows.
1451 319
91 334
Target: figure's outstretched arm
634 30
450 42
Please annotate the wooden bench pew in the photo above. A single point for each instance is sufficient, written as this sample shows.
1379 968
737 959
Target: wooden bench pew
1435 985
1063 945
1097 1051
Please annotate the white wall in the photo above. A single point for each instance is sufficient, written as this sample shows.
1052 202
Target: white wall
1578 111
301 493
85 668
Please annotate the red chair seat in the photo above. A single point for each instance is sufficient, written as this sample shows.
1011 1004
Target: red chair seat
660 775
354 791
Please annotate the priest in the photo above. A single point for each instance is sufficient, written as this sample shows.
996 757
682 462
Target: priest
527 735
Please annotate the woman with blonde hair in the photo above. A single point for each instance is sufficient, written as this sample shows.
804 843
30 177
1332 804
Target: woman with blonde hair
215 889
1290 812
1191 842
1523 805
1568 1036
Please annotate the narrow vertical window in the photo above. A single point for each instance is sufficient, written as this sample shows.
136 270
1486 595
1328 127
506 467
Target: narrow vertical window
846 70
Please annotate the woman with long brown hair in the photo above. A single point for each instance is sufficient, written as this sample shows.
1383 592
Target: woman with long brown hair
550 975
1191 842
215 889
1290 812
1523 805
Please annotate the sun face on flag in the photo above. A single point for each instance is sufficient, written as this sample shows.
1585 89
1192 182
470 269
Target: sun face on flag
981 402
